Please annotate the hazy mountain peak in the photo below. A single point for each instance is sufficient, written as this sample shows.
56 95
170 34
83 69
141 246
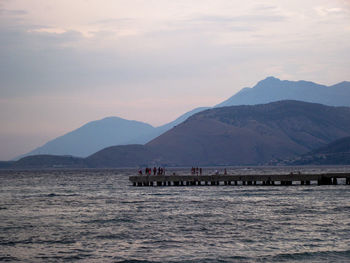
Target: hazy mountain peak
268 81
109 131
96 135
273 89
272 82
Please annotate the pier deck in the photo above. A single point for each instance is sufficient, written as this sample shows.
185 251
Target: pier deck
253 179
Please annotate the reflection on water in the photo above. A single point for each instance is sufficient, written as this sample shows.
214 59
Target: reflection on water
96 215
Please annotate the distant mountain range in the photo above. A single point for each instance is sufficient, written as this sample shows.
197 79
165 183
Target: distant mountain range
111 131
235 135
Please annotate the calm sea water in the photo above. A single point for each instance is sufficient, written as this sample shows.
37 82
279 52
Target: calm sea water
97 216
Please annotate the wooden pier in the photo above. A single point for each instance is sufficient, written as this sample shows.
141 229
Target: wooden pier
254 179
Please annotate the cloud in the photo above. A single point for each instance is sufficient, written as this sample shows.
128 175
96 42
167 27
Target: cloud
50 30
262 7
243 23
344 3
8 12
332 11
113 21
253 18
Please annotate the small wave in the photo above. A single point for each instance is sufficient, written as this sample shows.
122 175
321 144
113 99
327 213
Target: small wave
8 259
55 194
133 202
234 259
31 241
341 209
113 236
111 220
326 256
66 258
162 194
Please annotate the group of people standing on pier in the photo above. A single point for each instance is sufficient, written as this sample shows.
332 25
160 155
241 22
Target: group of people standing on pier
155 170
161 171
196 170
217 172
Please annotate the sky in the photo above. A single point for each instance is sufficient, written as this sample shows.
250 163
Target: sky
64 63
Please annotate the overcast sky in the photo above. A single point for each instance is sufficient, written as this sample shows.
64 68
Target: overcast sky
64 63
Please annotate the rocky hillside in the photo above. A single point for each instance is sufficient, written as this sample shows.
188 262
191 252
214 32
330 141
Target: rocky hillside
334 153
250 135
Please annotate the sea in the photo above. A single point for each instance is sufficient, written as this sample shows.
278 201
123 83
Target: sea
98 216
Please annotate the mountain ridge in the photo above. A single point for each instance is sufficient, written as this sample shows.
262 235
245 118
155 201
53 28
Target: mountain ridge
236 135
273 89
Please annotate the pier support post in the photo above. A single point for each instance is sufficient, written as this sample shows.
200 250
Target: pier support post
334 182
324 181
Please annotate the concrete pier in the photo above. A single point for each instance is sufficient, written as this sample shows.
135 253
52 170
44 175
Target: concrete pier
246 180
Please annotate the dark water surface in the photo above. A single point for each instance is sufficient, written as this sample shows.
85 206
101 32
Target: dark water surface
97 216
